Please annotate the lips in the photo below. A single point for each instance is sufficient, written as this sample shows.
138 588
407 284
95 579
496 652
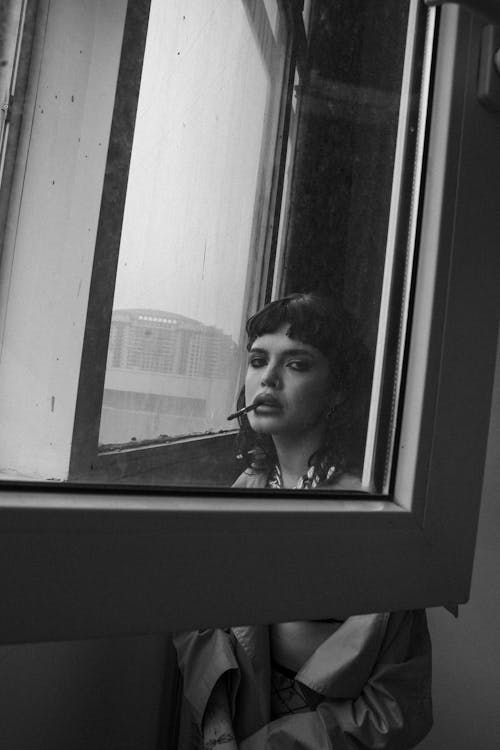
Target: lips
266 400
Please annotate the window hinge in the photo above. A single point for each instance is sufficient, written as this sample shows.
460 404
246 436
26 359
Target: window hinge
489 9
488 84
6 109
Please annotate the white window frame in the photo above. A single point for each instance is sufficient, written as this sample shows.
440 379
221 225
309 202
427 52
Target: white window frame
84 562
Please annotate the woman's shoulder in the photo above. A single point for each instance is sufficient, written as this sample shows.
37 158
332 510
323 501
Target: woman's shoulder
251 478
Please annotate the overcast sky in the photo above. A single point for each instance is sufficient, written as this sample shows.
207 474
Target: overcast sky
193 176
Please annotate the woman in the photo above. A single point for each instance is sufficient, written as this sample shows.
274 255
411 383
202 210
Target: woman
330 685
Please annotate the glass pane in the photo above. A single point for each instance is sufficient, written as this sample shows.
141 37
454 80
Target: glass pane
175 168
200 173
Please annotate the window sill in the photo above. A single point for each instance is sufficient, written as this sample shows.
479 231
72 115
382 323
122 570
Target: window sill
96 564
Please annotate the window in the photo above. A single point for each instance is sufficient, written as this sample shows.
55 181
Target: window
286 159
125 556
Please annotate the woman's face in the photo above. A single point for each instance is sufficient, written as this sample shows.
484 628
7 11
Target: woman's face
290 381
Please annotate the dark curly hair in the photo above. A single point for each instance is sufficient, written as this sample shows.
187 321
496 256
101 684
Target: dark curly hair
320 322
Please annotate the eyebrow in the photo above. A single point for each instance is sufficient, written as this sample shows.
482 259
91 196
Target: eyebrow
285 352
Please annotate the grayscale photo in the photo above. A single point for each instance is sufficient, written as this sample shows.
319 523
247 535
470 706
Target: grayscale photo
249 390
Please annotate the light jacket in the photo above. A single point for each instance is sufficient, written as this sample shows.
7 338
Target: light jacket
372 677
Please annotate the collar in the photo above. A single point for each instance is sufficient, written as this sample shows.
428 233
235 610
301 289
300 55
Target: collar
308 481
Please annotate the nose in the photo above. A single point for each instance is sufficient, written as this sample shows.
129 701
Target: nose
270 377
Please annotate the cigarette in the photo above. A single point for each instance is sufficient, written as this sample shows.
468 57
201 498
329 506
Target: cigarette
245 410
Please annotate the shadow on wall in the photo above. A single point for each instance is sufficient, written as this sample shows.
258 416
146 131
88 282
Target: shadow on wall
99 694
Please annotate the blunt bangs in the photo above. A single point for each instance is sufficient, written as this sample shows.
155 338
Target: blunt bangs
311 319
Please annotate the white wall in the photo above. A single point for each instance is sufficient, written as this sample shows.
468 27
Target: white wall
47 259
467 651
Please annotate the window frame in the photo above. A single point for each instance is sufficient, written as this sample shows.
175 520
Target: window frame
81 561
11 116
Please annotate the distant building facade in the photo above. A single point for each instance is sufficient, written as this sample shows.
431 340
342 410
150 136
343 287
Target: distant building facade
166 375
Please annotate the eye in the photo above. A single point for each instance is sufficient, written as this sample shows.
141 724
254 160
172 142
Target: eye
256 360
301 365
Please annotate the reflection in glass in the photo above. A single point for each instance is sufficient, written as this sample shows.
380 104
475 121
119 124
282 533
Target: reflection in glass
302 402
